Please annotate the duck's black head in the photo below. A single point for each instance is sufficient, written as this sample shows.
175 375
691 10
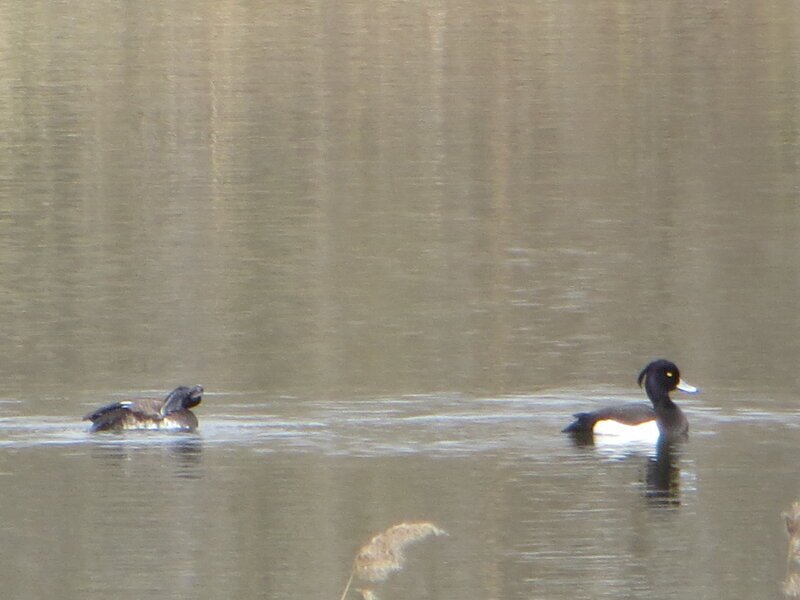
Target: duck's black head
661 377
182 398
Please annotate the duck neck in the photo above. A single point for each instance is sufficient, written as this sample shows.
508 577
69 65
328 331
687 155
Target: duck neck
660 398
671 421
172 403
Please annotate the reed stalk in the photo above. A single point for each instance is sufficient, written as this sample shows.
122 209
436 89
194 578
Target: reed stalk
383 554
791 584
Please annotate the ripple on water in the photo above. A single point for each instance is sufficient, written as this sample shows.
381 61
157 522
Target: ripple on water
450 424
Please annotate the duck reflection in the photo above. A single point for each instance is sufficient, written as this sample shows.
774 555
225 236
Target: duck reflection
662 476
662 471
187 455
182 456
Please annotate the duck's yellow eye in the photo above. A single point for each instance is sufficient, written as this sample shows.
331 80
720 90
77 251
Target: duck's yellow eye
670 373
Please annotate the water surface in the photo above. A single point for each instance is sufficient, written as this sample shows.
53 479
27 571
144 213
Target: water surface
399 244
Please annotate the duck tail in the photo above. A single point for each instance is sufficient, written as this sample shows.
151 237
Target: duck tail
583 423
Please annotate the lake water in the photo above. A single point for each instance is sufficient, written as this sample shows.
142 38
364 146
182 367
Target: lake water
399 243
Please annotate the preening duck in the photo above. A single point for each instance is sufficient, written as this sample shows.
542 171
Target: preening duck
171 413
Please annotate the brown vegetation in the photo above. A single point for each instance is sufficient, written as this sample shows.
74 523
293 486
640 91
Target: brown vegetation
383 554
791 585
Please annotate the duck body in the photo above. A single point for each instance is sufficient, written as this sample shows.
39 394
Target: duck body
612 418
639 422
172 413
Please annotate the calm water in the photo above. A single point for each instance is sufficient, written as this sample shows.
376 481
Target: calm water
399 243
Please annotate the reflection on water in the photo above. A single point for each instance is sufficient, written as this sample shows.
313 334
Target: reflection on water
663 475
661 462
183 455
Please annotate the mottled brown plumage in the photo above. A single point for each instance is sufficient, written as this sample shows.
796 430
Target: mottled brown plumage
171 413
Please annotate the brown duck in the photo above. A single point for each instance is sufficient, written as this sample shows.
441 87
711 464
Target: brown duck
171 413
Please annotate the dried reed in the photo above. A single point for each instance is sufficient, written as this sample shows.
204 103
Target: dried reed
791 585
383 554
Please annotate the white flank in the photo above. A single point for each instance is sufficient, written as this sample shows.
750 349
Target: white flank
616 432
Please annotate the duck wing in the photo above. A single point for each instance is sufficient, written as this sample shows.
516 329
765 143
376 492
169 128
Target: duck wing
144 407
